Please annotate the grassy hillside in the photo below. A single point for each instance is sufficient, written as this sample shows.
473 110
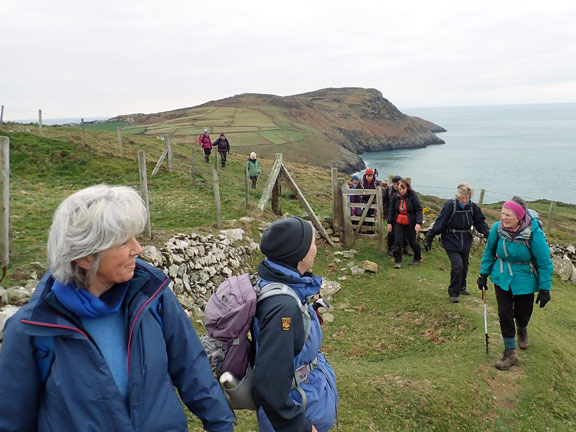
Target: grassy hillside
405 358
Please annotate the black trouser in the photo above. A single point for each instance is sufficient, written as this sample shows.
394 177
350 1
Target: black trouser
513 307
254 180
403 233
207 152
458 271
223 157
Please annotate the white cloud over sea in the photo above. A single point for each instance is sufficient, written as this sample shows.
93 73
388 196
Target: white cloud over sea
77 59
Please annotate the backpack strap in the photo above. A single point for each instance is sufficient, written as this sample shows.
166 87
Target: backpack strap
452 230
277 288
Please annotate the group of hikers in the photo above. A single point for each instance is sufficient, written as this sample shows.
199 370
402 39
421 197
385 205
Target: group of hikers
222 145
104 344
516 256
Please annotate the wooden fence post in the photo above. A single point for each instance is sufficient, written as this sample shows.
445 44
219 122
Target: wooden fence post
217 199
276 197
83 133
481 200
267 192
40 122
144 188
347 233
1 115
379 223
120 141
550 217
247 188
4 201
193 168
336 196
169 154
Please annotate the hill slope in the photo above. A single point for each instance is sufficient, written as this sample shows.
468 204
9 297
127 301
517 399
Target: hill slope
326 128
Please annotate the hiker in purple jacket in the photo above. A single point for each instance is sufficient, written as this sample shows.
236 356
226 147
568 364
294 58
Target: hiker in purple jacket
288 364
223 147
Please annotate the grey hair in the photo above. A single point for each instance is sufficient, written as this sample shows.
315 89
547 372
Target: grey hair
89 222
464 188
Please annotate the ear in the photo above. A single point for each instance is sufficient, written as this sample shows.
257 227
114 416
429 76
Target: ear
85 263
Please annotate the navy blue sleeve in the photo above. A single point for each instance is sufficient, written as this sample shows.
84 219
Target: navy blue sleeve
20 386
190 369
281 338
441 222
479 221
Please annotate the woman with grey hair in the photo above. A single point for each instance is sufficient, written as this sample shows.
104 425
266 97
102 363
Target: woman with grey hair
454 224
103 342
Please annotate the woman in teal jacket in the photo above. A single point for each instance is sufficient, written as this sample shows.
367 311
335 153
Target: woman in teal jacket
517 259
103 343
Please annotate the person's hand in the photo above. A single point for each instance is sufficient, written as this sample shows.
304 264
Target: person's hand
482 282
314 429
417 228
543 298
428 244
389 227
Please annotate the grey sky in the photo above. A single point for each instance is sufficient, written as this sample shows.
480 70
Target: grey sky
79 59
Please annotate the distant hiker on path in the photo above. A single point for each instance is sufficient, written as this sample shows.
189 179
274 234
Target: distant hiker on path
253 169
517 259
223 147
103 343
355 184
387 196
454 224
369 182
206 144
405 217
293 384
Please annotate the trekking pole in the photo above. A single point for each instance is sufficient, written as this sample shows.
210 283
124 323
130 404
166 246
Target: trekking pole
485 323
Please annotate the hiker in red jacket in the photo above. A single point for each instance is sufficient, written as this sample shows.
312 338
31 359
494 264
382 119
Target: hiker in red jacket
206 144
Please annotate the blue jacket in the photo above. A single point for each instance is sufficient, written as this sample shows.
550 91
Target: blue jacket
281 349
508 262
455 227
80 392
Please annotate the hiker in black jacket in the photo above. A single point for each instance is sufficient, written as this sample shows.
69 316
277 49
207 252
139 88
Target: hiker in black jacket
223 148
293 385
454 224
405 218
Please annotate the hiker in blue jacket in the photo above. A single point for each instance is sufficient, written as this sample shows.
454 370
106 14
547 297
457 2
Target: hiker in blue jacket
103 342
293 385
454 224
517 259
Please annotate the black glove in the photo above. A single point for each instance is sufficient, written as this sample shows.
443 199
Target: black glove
428 244
482 282
543 298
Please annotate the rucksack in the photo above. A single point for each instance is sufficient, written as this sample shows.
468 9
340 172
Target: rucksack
228 317
526 241
457 209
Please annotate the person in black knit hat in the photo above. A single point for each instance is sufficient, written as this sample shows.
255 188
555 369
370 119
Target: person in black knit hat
288 335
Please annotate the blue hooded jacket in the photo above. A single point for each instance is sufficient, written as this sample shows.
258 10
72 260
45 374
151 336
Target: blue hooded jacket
281 349
80 392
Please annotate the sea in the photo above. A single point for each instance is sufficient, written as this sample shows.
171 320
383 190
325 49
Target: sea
507 150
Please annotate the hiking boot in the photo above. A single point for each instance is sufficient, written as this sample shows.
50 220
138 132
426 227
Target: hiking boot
407 251
390 251
397 265
464 292
415 262
523 338
508 360
454 299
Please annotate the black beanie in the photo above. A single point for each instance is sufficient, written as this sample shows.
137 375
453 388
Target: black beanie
287 240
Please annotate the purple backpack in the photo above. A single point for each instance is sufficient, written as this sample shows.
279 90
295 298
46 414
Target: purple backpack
228 317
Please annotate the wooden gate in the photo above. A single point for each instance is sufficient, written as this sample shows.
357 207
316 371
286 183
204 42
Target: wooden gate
368 221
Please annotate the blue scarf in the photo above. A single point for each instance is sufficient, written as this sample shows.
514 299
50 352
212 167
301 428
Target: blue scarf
87 305
304 285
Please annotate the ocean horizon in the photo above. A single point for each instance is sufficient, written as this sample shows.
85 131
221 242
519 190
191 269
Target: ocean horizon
524 150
